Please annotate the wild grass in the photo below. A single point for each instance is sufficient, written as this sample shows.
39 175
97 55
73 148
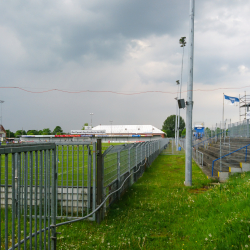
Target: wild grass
160 212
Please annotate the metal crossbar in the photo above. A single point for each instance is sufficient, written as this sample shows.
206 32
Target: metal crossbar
228 155
58 181
28 196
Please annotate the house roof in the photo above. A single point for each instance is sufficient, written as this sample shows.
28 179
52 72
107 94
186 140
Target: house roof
129 129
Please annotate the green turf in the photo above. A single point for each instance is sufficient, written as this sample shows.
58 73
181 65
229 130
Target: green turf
160 212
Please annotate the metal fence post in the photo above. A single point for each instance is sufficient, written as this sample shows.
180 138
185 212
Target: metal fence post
118 174
129 166
99 214
53 199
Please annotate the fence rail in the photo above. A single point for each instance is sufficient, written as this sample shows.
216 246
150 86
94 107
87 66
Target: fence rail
40 183
28 207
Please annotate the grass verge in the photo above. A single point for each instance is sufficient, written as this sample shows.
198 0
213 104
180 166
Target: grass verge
159 212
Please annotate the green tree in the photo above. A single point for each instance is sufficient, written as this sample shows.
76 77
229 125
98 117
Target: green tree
183 133
9 134
169 125
20 132
208 132
46 131
85 124
57 131
32 132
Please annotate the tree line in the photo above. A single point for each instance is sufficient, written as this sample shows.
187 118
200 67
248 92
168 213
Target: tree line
46 131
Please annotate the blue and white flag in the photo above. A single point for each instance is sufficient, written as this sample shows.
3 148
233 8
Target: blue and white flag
231 100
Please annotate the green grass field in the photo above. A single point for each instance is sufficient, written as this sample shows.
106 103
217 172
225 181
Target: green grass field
159 212
72 165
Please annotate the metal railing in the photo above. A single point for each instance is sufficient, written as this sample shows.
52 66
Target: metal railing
229 155
28 205
239 129
196 154
58 181
198 157
120 161
76 184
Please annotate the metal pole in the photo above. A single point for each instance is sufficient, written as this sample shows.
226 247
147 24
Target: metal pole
239 109
220 148
176 121
189 103
223 113
99 180
247 122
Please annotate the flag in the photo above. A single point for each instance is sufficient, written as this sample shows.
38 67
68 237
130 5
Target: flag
231 100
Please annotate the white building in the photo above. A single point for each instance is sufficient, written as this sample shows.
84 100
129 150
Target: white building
131 133
108 133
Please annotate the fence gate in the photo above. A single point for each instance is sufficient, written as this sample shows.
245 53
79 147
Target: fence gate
76 185
28 185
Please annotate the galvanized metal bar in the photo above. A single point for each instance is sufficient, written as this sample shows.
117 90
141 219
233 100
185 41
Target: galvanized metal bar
72 190
25 199
82 180
45 208
129 162
16 184
99 180
31 195
22 183
94 180
119 172
53 202
36 188
0 198
6 201
89 180
77 181
56 160
13 201
62 173
18 200
67 194
51 165
40 197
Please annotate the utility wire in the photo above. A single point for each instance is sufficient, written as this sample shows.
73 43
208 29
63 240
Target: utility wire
118 92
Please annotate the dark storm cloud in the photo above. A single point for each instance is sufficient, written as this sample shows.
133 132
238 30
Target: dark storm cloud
120 45
52 32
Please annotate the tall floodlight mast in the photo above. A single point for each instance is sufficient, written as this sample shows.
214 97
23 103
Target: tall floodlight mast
176 117
189 101
182 42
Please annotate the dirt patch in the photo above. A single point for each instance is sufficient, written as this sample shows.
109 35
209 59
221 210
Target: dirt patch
199 190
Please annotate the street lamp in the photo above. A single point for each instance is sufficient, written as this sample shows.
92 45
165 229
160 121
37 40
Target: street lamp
91 118
1 112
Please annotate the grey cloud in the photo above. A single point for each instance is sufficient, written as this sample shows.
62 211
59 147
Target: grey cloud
50 34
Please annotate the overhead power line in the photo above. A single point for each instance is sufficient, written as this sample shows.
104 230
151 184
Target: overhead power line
117 92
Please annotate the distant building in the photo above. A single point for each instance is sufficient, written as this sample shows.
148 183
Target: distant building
199 130
2 133
129 132
108 133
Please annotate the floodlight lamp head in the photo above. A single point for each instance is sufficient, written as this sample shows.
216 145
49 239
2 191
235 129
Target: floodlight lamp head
182 41
178 82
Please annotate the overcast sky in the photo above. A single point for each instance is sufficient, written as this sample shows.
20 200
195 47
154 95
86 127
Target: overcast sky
123 46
